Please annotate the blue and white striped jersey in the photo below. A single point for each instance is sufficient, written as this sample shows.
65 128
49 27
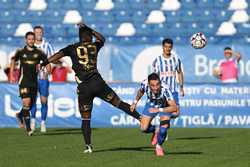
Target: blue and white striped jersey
167 69
159 100
47 48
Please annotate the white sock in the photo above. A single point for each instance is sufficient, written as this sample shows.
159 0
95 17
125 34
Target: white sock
158 146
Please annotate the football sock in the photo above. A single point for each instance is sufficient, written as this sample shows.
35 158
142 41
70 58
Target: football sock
86 131
44 111
33 110
162 135
150 129
26 116
126 108
20 116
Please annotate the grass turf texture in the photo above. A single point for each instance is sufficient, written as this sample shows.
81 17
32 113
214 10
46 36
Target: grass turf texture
125 148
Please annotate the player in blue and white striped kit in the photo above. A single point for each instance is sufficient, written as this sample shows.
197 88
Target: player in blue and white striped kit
43 82
169 68
159 101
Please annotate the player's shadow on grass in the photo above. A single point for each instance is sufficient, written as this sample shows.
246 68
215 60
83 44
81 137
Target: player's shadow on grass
126 149
61 131
196 138
185 153
144 149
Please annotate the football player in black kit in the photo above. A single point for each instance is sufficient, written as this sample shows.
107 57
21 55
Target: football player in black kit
90 83
29 58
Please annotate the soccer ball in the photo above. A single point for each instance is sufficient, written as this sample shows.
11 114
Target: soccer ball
198 40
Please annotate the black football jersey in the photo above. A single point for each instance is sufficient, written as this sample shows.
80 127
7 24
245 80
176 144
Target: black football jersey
28 65
84 59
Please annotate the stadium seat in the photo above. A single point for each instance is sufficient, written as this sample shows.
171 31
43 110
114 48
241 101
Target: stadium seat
222 3
181 22
189 16
140 16
120 5
122 16
188 4
161 29
153 4
170 5
109 29
137 4
210 28
207 15
104 5
88 16
104 17
226 29
6 4
72 17
240 16
222 15
53 16
22 29
7 30
55 30
87 4
243 29
55 4
238 5
6 16
156 17
21 4
71 4
126 29
143 29
206 3
173 17
37 5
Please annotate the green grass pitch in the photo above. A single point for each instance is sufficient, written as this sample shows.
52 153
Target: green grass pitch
125 148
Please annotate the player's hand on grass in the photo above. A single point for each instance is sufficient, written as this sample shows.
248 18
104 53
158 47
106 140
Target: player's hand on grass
153 110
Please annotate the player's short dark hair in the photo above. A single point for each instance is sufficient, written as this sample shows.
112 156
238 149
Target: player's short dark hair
84 33
153 76
29 33
167 40
227 48
38 27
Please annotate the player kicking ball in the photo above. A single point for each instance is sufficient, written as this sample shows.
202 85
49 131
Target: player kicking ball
90 83
159 101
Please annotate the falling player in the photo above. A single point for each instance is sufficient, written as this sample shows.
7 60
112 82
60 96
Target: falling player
159 101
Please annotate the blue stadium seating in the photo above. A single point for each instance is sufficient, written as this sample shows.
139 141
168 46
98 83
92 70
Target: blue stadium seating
193 16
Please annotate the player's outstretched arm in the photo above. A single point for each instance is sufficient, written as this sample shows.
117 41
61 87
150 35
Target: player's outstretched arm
53 59
140 93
